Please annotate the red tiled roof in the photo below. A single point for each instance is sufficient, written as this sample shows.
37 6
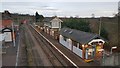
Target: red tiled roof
6 23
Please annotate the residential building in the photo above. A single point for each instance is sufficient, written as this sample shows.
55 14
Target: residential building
6 19
8 34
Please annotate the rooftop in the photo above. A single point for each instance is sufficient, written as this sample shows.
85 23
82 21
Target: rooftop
79 36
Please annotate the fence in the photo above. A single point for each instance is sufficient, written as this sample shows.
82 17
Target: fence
111 60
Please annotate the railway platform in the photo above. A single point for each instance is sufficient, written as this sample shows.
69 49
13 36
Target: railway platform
76 59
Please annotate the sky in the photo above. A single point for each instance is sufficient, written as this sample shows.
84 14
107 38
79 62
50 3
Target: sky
79 8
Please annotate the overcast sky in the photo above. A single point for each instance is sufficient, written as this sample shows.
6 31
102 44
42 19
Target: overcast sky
62 7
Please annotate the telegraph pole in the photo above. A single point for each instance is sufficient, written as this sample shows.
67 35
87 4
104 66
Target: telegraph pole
100 27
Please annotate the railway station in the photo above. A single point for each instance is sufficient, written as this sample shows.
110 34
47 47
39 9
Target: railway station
59 34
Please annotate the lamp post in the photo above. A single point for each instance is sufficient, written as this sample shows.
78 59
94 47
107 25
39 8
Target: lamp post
13 34
113 48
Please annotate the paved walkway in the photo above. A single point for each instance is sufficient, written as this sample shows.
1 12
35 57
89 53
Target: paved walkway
9 59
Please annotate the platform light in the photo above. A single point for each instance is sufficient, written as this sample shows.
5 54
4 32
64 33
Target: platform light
52 31
61 36
41 28
82 45
89 53
86 46
69 39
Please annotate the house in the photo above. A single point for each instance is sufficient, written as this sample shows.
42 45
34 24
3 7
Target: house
6 23
6 26
6 19
8 34
52 26
85 45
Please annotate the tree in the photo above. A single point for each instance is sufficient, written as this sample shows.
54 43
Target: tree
36 16
75 23
41 18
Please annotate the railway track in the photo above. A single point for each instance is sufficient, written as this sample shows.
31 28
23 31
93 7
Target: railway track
50 52
36 59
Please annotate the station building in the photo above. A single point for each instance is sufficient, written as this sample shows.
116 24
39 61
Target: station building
52 26
86 45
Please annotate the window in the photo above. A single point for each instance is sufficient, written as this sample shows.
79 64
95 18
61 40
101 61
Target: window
80 46
75 43
65 38
65 30
70 32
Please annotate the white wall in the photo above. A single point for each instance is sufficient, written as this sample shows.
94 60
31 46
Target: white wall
68 44
8 36
56 24
61 40
77 51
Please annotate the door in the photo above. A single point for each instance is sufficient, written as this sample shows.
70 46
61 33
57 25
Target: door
89 53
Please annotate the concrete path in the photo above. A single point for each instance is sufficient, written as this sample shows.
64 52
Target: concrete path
9 59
